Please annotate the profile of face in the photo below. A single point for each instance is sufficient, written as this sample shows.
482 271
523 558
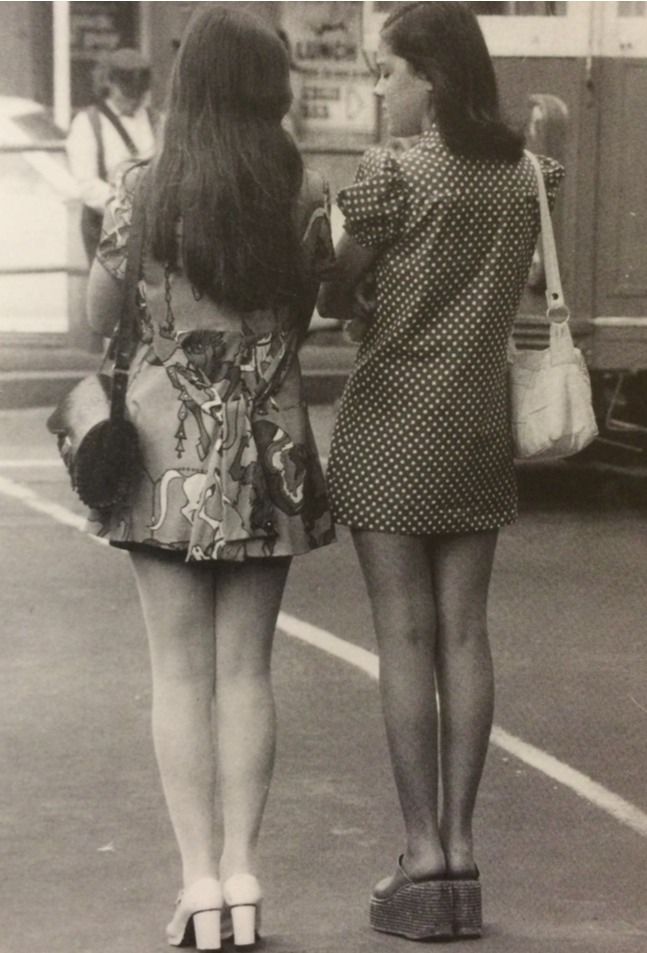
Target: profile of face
406 96
129 93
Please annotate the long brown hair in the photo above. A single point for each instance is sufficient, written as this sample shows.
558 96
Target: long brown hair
442 41
226 170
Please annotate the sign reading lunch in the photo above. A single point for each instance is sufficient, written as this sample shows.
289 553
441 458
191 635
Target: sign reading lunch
332 82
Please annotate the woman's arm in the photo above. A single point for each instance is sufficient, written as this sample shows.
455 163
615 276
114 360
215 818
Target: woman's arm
105 299
337 294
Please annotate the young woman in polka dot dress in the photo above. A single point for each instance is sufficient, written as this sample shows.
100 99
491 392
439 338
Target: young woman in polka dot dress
421 464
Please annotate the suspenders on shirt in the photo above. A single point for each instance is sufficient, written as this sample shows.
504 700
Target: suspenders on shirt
94 115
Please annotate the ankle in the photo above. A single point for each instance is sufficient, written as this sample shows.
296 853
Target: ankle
191 874
460 859
232 865
422 862
459 852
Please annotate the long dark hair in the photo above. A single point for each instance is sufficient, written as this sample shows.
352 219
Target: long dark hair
443 42
226 170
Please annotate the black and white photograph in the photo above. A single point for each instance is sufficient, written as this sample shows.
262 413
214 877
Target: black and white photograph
323 476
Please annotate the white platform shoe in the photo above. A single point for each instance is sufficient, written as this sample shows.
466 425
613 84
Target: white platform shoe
196 922
242 896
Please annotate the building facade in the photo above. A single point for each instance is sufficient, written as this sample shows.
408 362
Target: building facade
575 73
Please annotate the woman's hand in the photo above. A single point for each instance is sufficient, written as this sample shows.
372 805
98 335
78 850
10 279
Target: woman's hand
363 309
338 293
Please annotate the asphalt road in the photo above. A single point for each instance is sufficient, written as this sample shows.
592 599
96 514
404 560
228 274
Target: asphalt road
88 859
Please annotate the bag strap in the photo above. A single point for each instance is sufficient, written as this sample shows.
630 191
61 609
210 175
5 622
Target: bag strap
114 120
125 335
557 309
95 123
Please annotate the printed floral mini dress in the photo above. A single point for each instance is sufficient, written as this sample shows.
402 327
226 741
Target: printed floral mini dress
229 469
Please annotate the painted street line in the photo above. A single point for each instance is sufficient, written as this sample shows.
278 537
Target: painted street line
585 787
22 493
27 463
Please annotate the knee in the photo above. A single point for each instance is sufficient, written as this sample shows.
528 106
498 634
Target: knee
242 664
462 635
182 662
404 622
404 632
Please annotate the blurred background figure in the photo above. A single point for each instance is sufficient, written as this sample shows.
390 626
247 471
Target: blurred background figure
117 128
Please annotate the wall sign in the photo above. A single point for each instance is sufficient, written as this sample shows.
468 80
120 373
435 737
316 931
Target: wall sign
334 88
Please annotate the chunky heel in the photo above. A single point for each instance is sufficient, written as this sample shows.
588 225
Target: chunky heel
196 921
206 928
242 895
244 925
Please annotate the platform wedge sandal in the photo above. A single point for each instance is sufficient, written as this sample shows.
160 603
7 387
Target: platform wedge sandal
415 909
466 905
242 896
196 921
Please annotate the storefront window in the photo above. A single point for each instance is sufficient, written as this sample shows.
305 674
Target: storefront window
332 84
96 29
525 8
630 9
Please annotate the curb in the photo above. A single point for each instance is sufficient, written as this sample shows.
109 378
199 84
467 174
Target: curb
33 377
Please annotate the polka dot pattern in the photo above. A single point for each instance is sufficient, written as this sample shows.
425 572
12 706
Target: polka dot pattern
422 442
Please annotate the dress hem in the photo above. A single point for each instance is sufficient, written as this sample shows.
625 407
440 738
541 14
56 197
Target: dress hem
435 531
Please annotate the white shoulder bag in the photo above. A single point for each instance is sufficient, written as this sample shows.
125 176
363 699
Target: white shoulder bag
550 390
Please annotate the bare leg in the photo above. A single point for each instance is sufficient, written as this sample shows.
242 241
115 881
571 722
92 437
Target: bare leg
398 578
462 567
248 598
177 601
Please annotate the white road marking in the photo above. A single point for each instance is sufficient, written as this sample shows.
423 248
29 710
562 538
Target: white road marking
22 493
37 462
28 464
582 785
332 644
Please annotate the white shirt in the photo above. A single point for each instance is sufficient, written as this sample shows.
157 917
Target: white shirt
83 152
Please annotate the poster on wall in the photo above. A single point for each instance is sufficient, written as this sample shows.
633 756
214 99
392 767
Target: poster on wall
331 80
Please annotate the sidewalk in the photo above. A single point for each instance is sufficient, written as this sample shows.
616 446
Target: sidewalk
35 375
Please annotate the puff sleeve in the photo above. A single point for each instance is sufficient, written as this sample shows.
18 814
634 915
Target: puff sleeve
374 207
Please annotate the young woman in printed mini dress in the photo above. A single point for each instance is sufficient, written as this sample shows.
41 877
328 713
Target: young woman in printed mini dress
421 463
230 486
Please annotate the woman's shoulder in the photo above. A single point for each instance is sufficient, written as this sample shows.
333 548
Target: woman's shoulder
381 160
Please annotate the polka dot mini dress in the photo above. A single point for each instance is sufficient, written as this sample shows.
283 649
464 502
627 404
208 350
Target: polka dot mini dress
422 443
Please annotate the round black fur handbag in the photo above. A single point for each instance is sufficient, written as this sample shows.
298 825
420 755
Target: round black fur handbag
98 444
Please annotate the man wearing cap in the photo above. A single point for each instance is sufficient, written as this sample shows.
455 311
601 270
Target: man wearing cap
103 137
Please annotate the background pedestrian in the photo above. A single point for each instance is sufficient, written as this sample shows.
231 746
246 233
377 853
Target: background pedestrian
116 129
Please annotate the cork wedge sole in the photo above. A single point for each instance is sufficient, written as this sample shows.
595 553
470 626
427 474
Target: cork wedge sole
416 910
467 910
